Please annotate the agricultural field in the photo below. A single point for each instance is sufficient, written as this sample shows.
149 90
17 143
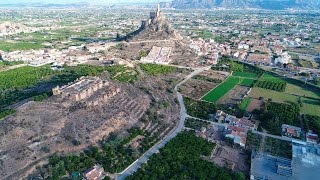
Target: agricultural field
245 75
221 90
310 106
302 91
276 86
247 82
234 96
196 88
268 77
276 96
245 104
254 104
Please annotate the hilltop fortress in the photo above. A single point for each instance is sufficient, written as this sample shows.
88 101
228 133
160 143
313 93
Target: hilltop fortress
155 28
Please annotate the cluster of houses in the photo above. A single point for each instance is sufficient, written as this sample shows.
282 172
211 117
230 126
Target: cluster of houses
72 56
237 128
210 49
296 132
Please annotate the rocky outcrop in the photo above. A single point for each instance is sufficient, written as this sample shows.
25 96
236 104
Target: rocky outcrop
154 28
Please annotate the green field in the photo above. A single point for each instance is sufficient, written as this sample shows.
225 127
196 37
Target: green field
244 105
245 74
276 96
268 77
301 91
247 82
310 106
221 90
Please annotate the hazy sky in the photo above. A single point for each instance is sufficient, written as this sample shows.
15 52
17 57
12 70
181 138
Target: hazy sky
73 1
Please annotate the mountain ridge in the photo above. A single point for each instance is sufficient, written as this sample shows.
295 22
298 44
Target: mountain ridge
261 4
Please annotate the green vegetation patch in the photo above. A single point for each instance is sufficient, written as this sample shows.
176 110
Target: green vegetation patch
5 113
310 106
247 82
245 104
4 64
245 74
156 69
123 73
180 159
272 85
114 156
268 77
221 90
196 124
42 97
199 109
311 123
277 114
19 45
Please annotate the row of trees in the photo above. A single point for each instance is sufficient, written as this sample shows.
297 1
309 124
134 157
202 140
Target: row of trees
180 159
196 124
276 86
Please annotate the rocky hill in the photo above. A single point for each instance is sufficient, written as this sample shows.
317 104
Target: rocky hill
12 28
263 4
155 28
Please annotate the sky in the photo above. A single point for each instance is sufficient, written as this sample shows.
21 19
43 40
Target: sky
75 1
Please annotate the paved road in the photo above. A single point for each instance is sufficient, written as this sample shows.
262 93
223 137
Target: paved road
136 165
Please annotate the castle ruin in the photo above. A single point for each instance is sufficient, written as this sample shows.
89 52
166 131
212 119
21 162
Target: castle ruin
85 88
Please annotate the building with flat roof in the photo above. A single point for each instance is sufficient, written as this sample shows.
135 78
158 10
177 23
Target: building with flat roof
304 164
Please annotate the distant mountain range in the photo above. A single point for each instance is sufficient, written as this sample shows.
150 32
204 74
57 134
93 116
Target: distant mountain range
262 4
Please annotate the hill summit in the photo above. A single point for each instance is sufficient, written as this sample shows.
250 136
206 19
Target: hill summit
154 28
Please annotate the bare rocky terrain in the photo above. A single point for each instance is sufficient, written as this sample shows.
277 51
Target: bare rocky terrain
42 128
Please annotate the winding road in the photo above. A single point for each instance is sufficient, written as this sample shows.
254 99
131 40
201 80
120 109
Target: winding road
183 113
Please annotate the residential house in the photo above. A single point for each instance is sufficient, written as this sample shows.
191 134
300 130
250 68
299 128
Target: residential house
220 116
238 134
312 138
247 124
291 131
94 173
